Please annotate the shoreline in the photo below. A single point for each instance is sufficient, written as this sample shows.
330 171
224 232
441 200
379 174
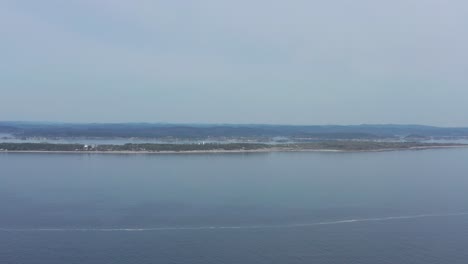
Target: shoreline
265 150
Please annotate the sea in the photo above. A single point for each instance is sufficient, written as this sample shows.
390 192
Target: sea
395 207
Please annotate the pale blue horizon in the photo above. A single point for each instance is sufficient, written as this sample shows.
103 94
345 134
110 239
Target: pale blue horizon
206 61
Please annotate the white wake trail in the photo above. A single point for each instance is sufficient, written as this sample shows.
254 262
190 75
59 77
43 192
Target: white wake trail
346 221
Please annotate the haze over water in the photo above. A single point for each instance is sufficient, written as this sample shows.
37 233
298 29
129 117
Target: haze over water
386 207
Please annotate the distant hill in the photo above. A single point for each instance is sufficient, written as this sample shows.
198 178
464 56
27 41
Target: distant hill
201 131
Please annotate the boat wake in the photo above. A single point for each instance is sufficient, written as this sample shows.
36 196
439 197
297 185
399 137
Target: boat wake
346 221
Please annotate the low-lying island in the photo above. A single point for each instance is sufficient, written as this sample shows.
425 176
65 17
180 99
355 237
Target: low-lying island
351 146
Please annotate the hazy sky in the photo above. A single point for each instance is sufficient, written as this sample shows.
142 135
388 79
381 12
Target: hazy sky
242 61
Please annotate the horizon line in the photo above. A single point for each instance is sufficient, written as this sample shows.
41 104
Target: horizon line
220 124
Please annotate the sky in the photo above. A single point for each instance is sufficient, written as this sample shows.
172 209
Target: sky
243 61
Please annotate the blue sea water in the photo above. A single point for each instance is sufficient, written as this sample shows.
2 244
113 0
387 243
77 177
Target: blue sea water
384 207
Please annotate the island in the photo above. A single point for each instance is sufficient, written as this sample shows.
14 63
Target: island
343 146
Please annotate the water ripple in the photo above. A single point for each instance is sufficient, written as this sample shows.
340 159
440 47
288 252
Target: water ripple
345 221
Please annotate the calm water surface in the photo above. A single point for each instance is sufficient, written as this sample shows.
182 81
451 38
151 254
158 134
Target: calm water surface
386 207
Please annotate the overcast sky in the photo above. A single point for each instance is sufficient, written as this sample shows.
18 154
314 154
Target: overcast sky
242 61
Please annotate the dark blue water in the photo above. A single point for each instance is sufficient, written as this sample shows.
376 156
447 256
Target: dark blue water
386 207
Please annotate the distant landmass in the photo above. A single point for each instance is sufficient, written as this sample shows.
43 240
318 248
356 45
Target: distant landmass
222 132
347 145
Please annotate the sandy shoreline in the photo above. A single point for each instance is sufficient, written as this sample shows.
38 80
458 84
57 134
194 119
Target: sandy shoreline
266 150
